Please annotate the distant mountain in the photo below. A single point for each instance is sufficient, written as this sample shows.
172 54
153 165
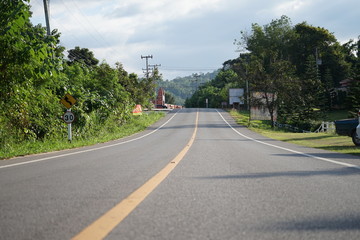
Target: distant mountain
184 87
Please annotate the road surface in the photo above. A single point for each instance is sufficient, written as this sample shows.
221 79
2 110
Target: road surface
194 174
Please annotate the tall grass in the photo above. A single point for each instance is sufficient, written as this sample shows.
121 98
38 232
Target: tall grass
107 131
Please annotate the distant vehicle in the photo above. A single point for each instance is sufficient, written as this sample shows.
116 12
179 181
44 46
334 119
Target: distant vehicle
349 127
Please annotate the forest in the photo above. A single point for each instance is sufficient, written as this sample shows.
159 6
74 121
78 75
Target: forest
182 88
302 72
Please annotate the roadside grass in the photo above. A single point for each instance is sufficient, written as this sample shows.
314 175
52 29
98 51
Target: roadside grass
105 134
326 141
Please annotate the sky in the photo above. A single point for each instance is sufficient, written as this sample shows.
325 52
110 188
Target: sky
183 36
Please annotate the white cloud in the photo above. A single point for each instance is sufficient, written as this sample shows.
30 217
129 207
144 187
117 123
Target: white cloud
291 6
182 33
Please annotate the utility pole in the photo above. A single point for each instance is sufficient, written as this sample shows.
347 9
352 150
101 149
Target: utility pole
197 76
147 64
154 67
46 9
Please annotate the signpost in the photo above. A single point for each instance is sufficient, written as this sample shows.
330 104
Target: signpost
68 101
69 117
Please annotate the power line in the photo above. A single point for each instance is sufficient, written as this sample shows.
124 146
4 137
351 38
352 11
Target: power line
155 66
94 28
97 36
189 69
81 23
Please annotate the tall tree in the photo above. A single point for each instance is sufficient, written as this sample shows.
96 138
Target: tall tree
270 42
28 64
267 65
169 98
275 85
353 99
320 43
312 91
82 55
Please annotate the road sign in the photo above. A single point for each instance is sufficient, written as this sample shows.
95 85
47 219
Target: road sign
68 117
68 101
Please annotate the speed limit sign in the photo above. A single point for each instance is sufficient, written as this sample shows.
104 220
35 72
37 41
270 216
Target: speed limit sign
68 117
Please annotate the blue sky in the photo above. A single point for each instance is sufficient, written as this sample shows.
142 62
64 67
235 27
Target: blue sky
184 36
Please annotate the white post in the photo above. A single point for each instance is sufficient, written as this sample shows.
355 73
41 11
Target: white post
69 132
69 129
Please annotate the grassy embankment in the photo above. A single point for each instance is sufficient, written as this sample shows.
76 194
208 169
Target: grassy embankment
134 125
326 141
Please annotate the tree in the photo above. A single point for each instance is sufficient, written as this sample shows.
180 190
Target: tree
224 77
270 42
82 55
29 61
323 46
267 64
313 57
170 99
276 84
353 99
312 91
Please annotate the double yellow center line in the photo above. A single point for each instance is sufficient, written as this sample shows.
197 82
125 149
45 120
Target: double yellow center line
106 223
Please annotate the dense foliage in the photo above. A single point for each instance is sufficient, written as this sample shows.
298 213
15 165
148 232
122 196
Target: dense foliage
35 74
182 88
299 70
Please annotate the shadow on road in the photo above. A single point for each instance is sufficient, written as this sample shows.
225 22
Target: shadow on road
328 155
331 172
349 221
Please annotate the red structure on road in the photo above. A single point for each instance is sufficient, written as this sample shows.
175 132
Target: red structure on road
160 101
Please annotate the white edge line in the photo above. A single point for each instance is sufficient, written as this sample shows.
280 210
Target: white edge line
290 150
88 150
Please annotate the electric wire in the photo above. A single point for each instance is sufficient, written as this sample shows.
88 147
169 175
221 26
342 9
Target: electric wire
63 42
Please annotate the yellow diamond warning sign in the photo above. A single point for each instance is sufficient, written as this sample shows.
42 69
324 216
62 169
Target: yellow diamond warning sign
68 101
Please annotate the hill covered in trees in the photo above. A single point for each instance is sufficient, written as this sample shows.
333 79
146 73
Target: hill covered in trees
182 88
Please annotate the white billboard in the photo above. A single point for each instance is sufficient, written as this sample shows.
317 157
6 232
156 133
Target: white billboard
236 95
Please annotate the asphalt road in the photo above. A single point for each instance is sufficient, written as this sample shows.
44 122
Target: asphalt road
225 182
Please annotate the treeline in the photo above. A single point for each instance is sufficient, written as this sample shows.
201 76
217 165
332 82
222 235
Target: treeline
182 88
302 71
36 72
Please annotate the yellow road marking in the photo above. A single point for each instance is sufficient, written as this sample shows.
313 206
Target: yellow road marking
106 223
